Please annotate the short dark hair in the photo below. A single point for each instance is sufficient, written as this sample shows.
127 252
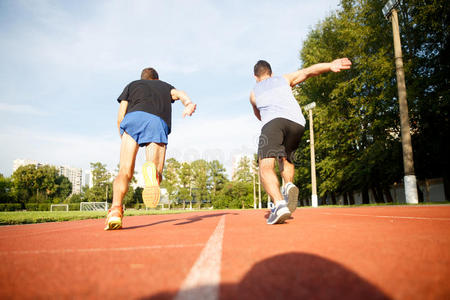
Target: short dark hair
262 67
149 74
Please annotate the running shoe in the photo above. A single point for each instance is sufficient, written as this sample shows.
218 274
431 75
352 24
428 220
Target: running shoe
279 213
151 192
114 218
290 193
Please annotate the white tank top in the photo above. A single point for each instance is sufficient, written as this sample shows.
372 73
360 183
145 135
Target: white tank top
274 99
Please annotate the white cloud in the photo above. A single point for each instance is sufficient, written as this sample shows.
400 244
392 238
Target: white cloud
21 109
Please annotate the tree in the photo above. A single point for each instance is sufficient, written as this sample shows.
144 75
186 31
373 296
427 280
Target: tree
235 194
356 119
200 180
243 172
426 49
101 189
171 179
64 188
218 178
35 183
185 179
356 113
137 197
5 189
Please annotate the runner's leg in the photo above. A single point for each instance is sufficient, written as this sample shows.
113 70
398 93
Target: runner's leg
156 153
128 151
287 170
269 178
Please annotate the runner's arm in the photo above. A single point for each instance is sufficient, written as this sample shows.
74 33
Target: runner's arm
189 106
255 109
122 111
301 75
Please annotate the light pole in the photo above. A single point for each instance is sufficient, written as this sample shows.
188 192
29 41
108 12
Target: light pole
259 192
254 189
390 12
309 108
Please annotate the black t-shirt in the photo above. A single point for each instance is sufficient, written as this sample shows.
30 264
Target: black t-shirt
152 96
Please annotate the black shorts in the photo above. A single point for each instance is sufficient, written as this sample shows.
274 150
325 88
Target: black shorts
280 138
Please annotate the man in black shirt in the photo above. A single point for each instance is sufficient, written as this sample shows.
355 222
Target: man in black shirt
144 120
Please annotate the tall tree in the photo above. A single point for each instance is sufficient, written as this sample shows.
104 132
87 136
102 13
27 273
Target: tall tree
64 188
5 189
356 119
171 179
200 180
186 178
426 49
101 189
243 172
218 178
35 183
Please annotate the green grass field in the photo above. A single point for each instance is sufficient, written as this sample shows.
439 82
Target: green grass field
30 217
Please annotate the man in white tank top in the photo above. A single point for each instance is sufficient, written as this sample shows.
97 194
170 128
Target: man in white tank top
283 125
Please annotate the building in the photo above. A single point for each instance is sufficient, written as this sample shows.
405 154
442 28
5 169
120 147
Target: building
17 163
75 176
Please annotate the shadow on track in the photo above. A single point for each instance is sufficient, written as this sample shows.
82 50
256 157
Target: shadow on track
189 220
201 217
148 225
292 276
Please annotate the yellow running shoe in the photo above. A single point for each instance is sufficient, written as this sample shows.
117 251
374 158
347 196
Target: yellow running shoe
114 218
151 192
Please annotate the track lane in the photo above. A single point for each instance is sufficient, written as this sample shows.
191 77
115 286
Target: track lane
321 253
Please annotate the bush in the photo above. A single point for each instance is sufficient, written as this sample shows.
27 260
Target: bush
75 198
44 206
37 206
139 206
31 206
10 206
74 206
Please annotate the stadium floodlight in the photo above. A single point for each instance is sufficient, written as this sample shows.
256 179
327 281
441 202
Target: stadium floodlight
390 5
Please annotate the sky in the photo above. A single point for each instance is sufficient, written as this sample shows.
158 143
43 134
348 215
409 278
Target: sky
64 63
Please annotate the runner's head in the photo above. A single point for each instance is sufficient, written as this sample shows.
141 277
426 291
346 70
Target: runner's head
149 74
262 68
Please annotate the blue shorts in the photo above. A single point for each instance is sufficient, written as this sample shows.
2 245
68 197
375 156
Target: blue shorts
145 128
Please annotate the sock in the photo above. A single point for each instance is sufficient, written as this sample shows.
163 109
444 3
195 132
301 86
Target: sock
280 202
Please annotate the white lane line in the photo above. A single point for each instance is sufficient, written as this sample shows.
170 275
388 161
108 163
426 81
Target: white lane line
203 280
57 251
391 217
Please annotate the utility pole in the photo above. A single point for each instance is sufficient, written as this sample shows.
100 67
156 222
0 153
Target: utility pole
259 191
254 189
390 11
314 200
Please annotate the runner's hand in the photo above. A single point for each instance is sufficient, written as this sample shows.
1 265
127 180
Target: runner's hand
189 109
340 64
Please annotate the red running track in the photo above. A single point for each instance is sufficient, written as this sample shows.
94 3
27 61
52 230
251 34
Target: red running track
387 252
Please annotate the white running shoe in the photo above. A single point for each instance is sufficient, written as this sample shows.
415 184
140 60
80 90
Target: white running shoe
290 193
279 214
